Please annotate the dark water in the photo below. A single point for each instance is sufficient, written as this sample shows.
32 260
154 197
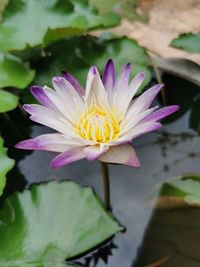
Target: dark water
151 236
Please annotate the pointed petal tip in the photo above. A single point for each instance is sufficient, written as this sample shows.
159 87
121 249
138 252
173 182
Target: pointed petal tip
34 89
57 79
21 145
93 69
142 74
175 107
64 72
128 66
110 62
17 145
133 162
54 165
160 85
27 107
171 109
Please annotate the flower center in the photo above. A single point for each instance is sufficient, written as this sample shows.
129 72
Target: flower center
99 125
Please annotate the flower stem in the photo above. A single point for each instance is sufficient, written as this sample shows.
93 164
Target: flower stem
159 79
106 184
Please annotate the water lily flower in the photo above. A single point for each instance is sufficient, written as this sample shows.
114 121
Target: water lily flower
96 123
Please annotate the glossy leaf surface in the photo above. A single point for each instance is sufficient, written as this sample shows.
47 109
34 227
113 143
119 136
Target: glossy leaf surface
13 72
31 23
6 164
189 42
8 101
51 222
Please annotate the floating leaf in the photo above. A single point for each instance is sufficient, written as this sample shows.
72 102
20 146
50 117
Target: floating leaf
6 164
8 101
194 121
172 235
13 72
52 222
30 23
179 192
77 54
188 41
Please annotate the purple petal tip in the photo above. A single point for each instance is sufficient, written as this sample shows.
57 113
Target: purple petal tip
58 80
142 74
128 66
27 107
21 145
110 62
134 163
94 70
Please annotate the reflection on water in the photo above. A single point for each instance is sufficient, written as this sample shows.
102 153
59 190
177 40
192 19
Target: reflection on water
150 236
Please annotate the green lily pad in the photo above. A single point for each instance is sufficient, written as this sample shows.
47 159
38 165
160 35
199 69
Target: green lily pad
31 23
13 72
6 164
76 55
188 41
52 222
181 191
8 101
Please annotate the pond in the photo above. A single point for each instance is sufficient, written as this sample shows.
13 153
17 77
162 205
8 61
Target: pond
168 238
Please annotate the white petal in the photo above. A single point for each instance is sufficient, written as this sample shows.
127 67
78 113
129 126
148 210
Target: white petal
92 72
49 142
122 154
71 101
65 107
97 94
50 118
121 87
131 120
132 90
93 152
138 130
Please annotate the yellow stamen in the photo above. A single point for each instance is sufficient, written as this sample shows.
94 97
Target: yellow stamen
98 125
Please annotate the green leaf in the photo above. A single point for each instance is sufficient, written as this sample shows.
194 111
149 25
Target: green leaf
6 164
52 222
125 8
13 72
179 192
188 41
194 120
8 101
31 23
76 55
3 4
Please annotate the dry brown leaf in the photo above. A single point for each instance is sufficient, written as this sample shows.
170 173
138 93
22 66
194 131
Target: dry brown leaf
3 4
167 19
